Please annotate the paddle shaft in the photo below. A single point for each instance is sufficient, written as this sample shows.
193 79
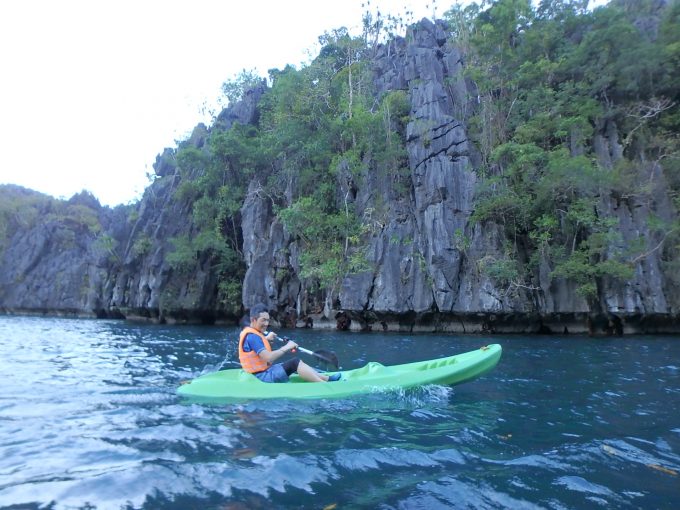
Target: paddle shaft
325 356
306 351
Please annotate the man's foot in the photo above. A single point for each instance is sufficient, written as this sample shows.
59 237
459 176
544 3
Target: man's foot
334 377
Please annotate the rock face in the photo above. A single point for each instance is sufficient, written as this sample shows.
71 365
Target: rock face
428 269
423 251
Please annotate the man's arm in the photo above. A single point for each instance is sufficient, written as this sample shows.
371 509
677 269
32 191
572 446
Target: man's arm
272 356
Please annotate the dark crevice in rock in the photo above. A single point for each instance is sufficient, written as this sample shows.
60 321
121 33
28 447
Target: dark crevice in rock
445 150
450 126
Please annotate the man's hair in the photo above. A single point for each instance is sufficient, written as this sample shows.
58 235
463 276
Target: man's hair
257 309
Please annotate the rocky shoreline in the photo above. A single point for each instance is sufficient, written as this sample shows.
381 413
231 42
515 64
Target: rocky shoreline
478 323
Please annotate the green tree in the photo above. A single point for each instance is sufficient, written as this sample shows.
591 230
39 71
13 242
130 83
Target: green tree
235 88
547 78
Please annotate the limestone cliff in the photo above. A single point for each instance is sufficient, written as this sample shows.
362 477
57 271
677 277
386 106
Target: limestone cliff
423 274
423 252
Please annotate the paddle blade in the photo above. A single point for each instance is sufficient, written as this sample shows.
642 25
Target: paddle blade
328 357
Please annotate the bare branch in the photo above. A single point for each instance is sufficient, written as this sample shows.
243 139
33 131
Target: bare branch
647 254
644 111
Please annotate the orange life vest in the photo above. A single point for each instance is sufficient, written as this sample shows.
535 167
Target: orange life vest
251 361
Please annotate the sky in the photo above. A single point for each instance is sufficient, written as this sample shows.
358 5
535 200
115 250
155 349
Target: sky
92 90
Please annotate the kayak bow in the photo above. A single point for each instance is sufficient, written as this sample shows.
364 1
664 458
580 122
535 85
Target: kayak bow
235 384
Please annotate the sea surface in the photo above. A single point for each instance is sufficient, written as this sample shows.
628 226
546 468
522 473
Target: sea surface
89 419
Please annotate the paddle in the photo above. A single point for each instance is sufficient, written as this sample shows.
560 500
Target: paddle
328 357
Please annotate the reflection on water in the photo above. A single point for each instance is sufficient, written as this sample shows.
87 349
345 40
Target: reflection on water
89 419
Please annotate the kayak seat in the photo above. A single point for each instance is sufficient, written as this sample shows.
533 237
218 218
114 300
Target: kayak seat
370 368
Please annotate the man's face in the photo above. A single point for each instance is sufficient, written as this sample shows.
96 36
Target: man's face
261 322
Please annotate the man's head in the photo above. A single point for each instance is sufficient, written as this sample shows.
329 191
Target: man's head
259 317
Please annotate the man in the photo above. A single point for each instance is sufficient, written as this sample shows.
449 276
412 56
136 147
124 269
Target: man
257 357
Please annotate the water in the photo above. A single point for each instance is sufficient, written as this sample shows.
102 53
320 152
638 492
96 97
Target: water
89 419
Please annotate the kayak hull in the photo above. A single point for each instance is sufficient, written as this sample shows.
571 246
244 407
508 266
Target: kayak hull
235 384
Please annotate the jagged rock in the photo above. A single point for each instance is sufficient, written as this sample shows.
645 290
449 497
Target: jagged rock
244 112
85 199
165 163
418 266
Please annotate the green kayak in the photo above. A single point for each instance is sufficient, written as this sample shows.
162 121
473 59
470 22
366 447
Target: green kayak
235 384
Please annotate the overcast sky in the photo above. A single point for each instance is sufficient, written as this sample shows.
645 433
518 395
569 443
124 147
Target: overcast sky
92 90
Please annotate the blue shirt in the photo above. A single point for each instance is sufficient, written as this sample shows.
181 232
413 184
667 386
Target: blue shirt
253 342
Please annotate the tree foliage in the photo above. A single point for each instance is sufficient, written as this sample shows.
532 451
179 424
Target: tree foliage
552 78
316 126
22 209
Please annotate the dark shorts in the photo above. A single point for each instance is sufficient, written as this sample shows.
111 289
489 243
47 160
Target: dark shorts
279 373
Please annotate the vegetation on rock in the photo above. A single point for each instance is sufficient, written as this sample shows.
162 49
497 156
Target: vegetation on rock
551 80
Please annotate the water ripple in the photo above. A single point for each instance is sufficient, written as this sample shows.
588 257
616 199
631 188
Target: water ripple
89 419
